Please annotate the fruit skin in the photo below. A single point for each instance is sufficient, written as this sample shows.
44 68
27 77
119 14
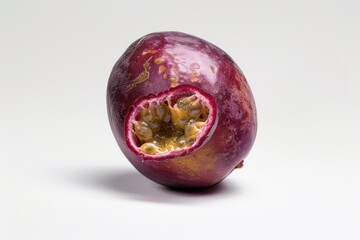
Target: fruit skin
160 61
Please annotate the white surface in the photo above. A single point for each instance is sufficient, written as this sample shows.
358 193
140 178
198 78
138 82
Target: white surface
62 175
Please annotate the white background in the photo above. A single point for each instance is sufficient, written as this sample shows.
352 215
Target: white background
62 175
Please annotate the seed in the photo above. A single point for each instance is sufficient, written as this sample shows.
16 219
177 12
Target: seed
160 111
195 112
184 102
176 135
195 103
181 141
192 98
156 143
191 121
143 132
167 118
181 104
159 138
155 126
181 123
149 148
147 115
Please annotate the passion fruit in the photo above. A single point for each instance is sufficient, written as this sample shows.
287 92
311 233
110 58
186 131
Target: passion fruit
181 110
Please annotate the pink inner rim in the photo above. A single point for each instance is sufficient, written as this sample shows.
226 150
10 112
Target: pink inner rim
171 96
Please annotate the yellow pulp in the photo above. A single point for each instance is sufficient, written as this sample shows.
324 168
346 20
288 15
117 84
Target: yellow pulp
162 128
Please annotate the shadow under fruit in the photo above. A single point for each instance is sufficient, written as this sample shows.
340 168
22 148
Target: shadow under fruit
181 110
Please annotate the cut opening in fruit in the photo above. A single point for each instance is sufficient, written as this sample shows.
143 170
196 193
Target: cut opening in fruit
174 122
163 128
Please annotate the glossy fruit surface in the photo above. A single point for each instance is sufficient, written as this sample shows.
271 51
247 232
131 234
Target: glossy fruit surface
181 110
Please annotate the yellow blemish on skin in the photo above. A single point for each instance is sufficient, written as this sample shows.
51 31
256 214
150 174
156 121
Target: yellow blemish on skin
174 80
128 76
151 51
194 77
174 68
165 76
158 61
142 77
196 74
194 164
162 68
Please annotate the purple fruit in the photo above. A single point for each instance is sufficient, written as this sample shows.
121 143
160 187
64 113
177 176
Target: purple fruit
181 110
